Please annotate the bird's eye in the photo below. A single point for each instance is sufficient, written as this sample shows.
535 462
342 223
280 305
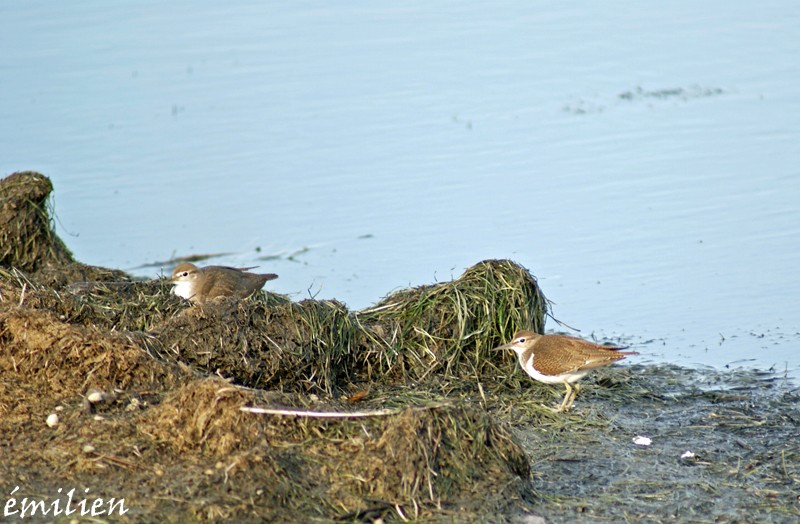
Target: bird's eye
521 340
185 274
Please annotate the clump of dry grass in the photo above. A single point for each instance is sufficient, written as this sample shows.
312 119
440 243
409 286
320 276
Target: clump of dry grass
414 461
27 239
308 346
46 360
447 330
121 305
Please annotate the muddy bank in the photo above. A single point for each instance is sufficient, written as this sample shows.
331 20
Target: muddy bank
115 386
725 448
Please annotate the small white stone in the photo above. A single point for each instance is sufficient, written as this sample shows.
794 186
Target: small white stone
96 396
639 440
687 455
52 420
98 417
88 448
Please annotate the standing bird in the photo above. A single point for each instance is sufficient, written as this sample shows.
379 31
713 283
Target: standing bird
559 359
200 284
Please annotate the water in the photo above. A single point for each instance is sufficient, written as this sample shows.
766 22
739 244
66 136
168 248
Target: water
642 162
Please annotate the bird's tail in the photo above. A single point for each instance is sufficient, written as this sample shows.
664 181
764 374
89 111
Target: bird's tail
620 348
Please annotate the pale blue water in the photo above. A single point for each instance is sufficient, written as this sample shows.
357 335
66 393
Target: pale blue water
642 160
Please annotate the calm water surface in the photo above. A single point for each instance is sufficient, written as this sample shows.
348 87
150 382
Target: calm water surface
642 162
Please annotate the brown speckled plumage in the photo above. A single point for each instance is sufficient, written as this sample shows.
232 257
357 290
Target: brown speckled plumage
558 354
555 359
219 281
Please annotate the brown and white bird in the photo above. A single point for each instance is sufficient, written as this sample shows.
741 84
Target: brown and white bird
200 284
559 359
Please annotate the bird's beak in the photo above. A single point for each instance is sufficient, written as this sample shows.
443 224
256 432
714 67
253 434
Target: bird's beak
503 347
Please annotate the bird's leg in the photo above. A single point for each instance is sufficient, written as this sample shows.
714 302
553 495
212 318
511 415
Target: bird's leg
564 406
569 398
575 388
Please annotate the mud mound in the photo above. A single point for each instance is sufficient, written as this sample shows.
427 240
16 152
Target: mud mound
24 216
432 453
447 329
28 241
415 458
46 360
119 305
309 346
204 416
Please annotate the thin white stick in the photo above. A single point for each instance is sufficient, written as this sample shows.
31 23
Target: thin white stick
319 414
22 295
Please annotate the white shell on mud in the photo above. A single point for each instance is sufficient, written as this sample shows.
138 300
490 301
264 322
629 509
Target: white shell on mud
639 440
52 420
96 396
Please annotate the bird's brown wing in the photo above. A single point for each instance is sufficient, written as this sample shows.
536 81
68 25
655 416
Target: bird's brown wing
213 286
238 286
584 355
265 276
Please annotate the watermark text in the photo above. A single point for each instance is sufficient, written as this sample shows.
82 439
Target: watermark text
65 503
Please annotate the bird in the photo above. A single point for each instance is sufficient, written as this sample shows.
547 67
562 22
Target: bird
200 284
561 359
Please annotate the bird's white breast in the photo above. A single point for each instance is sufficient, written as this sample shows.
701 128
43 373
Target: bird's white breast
550 379
183 289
